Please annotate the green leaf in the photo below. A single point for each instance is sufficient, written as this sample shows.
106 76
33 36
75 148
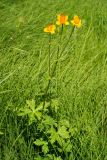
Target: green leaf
23 111
60 149
45 149
73 131
38 114
60 140
40 142
53 135
62 131
31 118
50 156
40 106
55 104
31 104
53 138
65 123
68 146
49 121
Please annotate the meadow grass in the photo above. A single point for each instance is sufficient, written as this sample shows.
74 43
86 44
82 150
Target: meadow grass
24 74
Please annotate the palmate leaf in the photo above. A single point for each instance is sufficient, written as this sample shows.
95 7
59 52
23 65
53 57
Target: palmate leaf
62 131
55 104
65 122
45 149
38 114
61 141
24 111
73 131
31 104
40 106
68 146
40 142
53 138
31 118
49 121
31 110
53 135
28 109
44 144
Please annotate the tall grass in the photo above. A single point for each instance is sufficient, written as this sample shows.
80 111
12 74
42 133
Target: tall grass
24 74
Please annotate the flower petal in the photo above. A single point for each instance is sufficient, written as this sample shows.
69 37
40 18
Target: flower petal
67 23
57 22
73 22
45 30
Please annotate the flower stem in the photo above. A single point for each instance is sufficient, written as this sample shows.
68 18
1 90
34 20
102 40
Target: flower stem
58 63
72 31
49 74
58 56
49 63
54 69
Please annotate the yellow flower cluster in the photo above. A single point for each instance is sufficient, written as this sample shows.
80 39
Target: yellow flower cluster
63 20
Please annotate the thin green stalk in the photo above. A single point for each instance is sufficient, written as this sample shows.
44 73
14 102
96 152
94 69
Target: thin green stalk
49 65
49 58
58 56
58 63
59 43
54 69
67 41
49 72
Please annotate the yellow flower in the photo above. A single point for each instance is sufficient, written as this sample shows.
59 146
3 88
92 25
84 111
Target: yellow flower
50 29
76 21
62 20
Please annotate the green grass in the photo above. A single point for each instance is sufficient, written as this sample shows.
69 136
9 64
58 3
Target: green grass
23 73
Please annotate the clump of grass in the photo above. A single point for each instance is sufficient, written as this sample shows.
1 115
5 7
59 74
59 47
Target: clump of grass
24 76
